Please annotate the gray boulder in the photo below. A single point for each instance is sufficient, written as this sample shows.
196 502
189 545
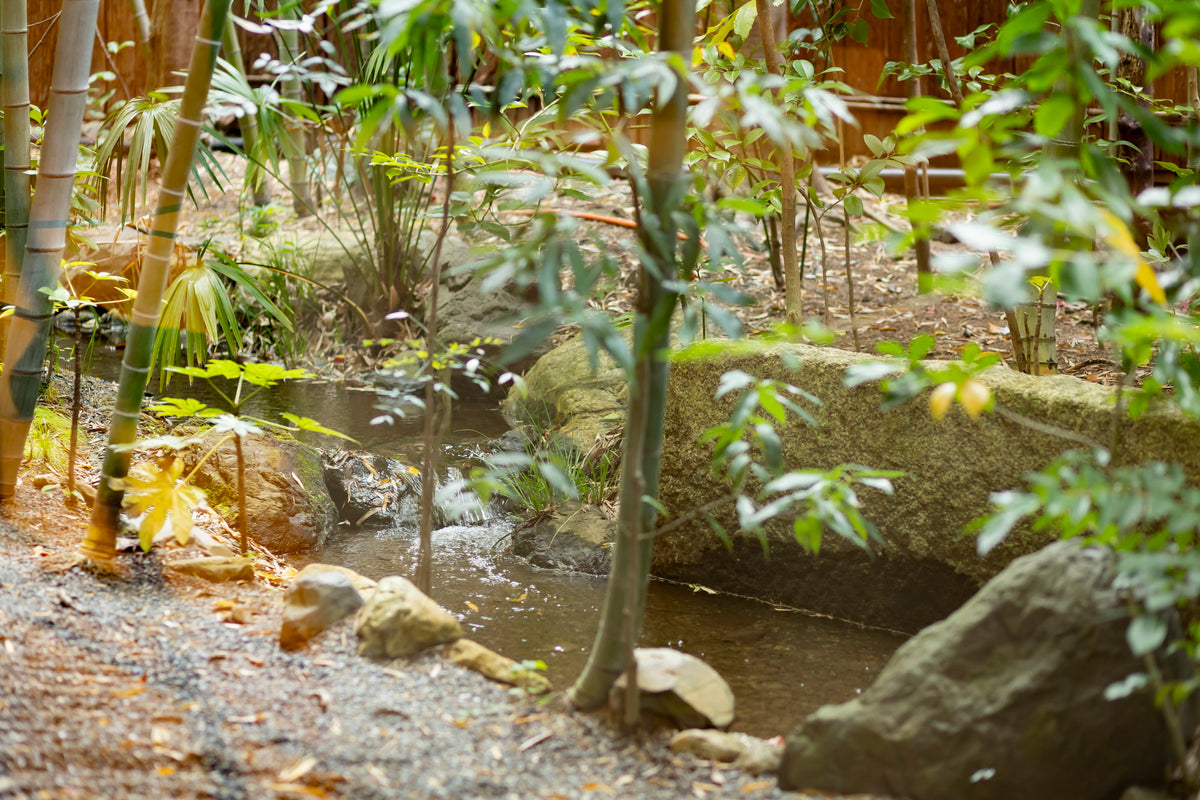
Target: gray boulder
1003 699
367 488
399 620
287 504
564 392
315 600
575 538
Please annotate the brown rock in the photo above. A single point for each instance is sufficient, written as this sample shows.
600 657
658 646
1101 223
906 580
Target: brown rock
490 664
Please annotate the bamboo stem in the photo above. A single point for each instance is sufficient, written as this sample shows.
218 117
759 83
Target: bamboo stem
100 540
25 349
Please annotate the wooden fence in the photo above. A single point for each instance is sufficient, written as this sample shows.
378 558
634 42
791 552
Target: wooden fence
878 106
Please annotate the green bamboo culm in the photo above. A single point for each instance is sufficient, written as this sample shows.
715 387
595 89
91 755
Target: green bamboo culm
141 25
14 95
625 595
29 328
99 543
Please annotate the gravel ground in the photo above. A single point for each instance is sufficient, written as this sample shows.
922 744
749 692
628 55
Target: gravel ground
135 685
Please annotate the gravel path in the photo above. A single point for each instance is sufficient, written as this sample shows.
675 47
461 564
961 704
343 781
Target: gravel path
136 686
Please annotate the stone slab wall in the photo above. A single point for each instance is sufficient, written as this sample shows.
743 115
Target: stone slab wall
928 566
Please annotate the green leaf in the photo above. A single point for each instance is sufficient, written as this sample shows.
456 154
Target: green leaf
306 424
870 371
1146 633
1053 114
880 9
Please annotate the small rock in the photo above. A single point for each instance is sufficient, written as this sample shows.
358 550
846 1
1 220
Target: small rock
490 664
240 614
680 687
362 583
399 620
217 569
313 602
747 753
574 539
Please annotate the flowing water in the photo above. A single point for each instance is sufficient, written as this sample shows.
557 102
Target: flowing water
781 663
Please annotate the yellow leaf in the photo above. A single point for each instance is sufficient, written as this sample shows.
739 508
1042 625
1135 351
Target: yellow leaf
974 397
472 606
725 50
1146 279
941 399
1121 240
166 770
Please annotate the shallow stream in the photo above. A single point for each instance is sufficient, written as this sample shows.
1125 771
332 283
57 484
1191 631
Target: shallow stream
781 663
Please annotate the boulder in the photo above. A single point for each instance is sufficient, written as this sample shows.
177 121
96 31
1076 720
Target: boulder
1003 699
492 665
574 538
362 583
399 620
679 687
564 392
740 750
287 504
367 488
473 310
314 601
216 569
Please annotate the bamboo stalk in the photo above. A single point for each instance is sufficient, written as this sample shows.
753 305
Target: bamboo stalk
141 25
293 144
14 88
100 540
25 350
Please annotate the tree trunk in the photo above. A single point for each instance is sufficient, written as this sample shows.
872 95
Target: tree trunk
25 350
625 596
912 191
793 287
1138 155
100 541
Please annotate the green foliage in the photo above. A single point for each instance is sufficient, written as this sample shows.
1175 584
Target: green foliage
152 120
748 453
199 309
161 490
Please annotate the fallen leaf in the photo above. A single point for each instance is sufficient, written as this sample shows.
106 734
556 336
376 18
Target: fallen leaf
297 770
535 740
755 786
165 770
298 788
